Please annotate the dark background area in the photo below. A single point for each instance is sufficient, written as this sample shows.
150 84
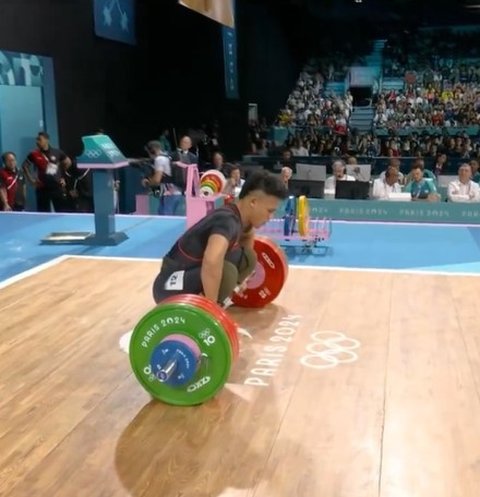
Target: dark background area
174 77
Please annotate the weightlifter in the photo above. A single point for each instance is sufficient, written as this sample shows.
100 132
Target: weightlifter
216 254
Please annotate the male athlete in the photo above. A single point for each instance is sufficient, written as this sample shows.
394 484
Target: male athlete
216 254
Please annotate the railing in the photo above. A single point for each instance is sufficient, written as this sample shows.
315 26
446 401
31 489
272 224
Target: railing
378 164
279 134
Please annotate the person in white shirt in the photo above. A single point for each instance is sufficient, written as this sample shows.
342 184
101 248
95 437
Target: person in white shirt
463 189
286 175
396 164
298 150
161 180
338 169
383 187
234 182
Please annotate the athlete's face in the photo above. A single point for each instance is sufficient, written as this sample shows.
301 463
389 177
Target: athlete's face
262 209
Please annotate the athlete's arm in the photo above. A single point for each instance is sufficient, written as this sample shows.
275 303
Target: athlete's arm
212 265
247 239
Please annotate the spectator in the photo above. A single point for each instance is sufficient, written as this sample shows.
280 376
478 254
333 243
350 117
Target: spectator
419 187
339 173
382 188
463 189
234 180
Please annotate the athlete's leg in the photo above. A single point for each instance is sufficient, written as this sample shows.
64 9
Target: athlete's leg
245 260
172 280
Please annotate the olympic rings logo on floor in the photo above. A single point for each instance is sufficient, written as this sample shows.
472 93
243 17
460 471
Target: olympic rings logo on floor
330 349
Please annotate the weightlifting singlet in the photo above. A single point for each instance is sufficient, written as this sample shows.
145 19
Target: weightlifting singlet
189 249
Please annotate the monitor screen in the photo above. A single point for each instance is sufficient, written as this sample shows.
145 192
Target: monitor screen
311 172
312 189
352 190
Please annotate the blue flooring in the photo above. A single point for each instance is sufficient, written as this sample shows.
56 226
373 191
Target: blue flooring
454 249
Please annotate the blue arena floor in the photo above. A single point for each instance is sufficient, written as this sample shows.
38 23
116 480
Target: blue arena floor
407 247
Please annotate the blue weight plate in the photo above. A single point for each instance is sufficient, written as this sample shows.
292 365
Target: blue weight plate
174 363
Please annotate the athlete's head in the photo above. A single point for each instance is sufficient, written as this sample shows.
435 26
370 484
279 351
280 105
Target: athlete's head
260 197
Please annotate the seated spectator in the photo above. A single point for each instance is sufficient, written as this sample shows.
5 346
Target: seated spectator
286 175
352 160
339 173
288 161
262 148
183 153
234 181
218 163
463 189
419 187
396 164
382 188
426 173
440 164
298 150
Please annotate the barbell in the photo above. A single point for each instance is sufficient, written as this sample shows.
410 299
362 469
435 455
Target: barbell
183 350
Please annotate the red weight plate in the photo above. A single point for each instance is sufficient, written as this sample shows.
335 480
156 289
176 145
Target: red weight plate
270 275
226 321
207 305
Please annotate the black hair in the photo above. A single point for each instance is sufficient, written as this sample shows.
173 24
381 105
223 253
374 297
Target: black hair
268 183
44 134
230 167
418 164
5 154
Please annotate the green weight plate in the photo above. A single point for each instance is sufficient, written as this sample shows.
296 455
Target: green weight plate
201 326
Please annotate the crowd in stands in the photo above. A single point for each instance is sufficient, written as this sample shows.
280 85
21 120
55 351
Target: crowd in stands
310 105
316 143
441 70
441 93
419 107
435 56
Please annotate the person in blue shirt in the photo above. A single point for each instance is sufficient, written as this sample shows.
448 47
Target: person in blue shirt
421 188
427 174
